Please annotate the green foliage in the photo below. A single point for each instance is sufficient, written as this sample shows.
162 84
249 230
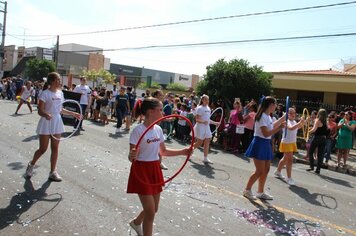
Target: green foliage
236 78
155 85
37 69
93 75
176 87
142 85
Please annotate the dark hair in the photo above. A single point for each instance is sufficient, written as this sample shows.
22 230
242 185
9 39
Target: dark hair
266 101
156 93
148 103
322 116
51 77
350 114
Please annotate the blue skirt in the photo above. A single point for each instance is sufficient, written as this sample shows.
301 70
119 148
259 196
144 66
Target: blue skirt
260 149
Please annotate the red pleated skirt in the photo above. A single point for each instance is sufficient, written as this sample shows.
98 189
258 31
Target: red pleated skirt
147 172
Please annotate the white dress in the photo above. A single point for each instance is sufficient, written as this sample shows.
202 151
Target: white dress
53 105
202 131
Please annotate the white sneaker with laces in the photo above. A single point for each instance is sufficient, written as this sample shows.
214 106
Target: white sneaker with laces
291 182
137 228
29 170
264 196
163 166
54 176
206 160
248 194
278 174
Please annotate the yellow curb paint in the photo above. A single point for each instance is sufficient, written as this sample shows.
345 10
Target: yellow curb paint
281 209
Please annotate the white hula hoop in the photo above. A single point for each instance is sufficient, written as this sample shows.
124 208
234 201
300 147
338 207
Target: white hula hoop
221 118
76 128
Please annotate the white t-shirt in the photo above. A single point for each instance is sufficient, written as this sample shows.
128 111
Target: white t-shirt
183 122
150 143
291 134
265 121
85 91
26 93
204 112
53 101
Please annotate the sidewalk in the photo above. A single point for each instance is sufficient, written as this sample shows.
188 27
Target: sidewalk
332 165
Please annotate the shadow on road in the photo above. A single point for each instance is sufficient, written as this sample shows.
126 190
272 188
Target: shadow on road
267 216
210 171
326 200
336 181
16 165
22 202
31 138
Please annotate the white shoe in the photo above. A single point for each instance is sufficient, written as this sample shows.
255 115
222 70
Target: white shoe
54 176
163 166
278 174
117 130
137 228
291 182
29 170
206 160
248 194
264 196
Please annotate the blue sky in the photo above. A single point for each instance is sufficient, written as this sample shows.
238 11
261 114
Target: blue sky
40 17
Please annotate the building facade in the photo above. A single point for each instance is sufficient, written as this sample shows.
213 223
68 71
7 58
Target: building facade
320 86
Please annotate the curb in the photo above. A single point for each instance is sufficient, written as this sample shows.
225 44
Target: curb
333 167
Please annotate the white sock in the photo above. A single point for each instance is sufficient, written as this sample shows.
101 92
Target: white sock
205 158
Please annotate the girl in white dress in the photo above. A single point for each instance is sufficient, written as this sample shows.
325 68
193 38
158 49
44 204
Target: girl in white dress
51 124
26 92
202 129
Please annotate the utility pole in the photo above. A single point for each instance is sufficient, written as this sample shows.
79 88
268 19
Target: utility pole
57 52
2 46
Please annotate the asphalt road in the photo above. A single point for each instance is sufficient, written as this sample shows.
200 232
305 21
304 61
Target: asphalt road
202 200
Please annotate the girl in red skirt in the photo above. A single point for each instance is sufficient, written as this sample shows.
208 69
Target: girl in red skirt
147 165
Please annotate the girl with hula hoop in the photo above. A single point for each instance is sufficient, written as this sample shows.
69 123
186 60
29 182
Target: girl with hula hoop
50 109
147 164
288 146
202 128
260 148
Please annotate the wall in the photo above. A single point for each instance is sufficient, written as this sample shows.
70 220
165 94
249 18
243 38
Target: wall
185 80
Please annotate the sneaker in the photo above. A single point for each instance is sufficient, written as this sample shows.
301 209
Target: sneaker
137 228
29 170
117 130
54 176
264 196
278 174
291 182
206 160
163 166
249 195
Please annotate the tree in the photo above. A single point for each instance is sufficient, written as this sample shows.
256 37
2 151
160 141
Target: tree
176 87
93 75
37 69
236 78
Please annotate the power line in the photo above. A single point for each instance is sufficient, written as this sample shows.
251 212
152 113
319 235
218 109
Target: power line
222 42
16 37
203 20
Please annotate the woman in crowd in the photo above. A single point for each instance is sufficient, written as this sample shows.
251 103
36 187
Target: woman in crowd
319 131
344 139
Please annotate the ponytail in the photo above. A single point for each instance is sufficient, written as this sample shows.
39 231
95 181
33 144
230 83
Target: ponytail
266 101
142 107
51 77
45 86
